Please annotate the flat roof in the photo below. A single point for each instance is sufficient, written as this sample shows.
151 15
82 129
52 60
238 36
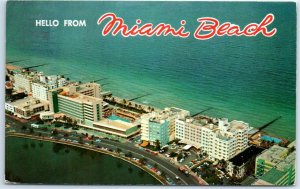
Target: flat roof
245 155
289 160
272 176
115 124
237 125
186 147
275 154
79 97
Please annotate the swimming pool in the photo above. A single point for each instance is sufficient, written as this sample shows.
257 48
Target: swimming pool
270 139
114 117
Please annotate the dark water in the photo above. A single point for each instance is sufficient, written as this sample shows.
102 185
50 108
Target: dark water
244 78
32 161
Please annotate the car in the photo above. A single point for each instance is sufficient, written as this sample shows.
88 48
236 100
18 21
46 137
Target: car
177 177
98 140
181 160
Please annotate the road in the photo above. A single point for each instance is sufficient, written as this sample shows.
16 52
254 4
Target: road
163 164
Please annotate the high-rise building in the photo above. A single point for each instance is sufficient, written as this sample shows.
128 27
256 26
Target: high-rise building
40 91
42 84
220 140
23 82
160 125
86 109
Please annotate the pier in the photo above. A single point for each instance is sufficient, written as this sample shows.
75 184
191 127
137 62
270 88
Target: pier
29 67
269 123
141 96
201 112
99 79
259 129
15 61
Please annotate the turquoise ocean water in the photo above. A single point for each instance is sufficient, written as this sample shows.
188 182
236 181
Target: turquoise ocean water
250 79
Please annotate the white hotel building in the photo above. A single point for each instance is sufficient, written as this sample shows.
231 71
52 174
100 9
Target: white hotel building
160 125
23 82
220 140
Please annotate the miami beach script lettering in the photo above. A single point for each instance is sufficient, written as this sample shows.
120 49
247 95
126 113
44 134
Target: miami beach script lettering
208 28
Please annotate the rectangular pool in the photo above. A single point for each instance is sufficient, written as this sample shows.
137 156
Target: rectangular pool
115 117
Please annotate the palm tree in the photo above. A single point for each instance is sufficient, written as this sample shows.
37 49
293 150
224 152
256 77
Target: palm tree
80 140
69 121
129 155
24 128
119 150
113 100
143 161
31 130
92 137
124 101
157 144
54 132
64 118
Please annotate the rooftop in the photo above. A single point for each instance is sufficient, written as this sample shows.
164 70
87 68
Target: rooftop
28 102
80 97
272 176
165 114
275 154
289 160
238 125
115 124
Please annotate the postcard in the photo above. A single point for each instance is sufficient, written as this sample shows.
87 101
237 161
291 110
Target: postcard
150 93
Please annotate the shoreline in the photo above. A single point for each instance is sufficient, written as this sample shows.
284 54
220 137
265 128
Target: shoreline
145 106
20 135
